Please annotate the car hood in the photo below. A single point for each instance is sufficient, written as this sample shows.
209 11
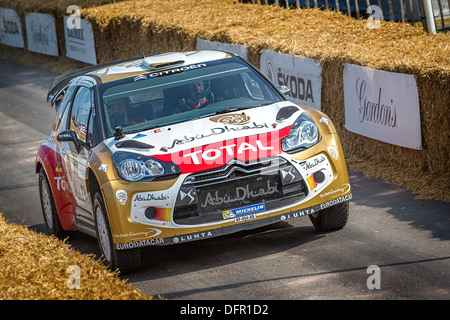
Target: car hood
244 135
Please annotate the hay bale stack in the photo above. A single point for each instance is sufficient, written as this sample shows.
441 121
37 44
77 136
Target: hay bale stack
33 266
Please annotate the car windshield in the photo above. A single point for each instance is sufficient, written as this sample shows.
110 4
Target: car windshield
181 94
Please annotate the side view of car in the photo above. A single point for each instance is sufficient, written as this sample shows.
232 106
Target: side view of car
178 147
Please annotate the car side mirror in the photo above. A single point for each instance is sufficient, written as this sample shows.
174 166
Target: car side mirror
69 135
284 89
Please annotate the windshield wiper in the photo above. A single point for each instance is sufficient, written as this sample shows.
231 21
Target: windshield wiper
231 109
140 130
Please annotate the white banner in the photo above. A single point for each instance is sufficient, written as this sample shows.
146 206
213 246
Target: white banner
10 28
382 105
80 43
238 49
301 75
41 33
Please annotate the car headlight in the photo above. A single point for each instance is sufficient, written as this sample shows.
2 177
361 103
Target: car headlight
137 167
303 134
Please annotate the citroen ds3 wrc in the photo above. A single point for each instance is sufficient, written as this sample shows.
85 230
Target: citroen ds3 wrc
180 147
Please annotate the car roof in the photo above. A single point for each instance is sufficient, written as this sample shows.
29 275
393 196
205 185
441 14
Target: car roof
156 63
119 69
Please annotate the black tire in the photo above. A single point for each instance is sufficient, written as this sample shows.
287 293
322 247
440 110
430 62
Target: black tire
51 219
126 261
332 218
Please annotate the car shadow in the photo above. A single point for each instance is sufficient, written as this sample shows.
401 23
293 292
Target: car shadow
160 262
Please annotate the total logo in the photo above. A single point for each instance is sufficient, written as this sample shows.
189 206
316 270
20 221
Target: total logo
230 150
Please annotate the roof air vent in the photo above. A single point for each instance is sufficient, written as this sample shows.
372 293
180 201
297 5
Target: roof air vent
164 60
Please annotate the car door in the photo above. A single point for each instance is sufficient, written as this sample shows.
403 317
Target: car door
75 161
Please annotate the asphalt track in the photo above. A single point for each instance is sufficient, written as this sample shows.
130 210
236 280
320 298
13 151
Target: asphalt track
393 247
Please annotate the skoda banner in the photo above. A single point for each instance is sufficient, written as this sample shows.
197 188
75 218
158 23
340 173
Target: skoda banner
10 28
301 75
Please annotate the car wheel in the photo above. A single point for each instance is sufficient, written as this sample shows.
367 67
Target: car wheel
332 218
51 219
125 260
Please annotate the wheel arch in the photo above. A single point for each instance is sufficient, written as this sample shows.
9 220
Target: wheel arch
93 184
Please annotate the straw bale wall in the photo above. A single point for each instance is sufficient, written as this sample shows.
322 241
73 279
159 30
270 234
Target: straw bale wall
127 28
34 266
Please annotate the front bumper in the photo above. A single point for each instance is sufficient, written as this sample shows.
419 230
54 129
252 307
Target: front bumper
170 212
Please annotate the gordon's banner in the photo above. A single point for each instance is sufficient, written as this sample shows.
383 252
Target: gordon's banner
10 28
382 105
80 44
41 33
301 75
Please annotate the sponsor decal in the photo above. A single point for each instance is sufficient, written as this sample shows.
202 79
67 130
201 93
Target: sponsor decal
233 118
176 70
192 236
228 214
61 184
335 201
103 167
213 154
75 164
313 162
141 243
79 191
149 233
151 197
333 152
245 218
139 135
344 189
243 194
213 132
297 214
324 120
311 182
122 196
58 167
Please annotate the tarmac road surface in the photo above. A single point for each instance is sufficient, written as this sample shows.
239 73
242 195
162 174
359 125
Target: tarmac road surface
393 247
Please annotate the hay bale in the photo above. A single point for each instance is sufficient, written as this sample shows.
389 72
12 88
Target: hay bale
33 266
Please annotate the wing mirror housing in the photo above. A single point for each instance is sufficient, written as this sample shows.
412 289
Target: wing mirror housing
69 135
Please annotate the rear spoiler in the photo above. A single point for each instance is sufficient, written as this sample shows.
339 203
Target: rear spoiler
62 81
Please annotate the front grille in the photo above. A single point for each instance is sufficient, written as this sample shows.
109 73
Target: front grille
205 196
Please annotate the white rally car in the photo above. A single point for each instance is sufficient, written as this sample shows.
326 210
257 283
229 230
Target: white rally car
179 147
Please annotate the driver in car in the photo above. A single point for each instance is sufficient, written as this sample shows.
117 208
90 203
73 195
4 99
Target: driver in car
118 112
199 96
